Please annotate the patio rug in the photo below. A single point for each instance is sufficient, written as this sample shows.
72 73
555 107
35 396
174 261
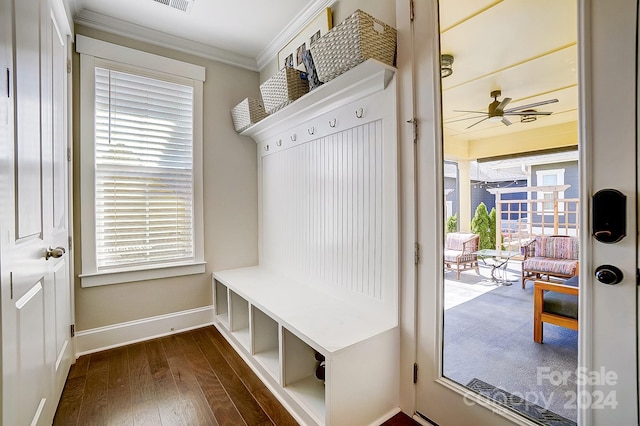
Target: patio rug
531 411
490 338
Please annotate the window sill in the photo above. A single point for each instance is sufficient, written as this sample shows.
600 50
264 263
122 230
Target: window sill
121 277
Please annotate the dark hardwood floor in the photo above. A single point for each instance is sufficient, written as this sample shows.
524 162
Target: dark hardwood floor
192 378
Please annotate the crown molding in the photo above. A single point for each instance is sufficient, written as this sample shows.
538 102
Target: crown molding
108 24
300 21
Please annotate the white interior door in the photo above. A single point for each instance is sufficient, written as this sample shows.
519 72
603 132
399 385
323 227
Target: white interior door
608 351
36 294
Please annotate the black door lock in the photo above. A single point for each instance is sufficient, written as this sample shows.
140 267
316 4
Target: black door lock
609 274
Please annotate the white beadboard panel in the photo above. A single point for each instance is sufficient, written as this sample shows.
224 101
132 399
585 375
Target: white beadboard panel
322 210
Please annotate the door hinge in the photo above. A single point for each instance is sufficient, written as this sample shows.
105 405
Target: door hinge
416 253
415 373
11 284
414 121
69 154
70 242
412 14
73 330
68 66
8 83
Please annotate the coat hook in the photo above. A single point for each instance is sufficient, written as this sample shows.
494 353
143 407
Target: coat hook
266 147
311 130
332 123
359 112
294 137
279 142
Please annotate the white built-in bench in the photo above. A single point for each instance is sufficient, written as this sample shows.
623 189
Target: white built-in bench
278 325
327 279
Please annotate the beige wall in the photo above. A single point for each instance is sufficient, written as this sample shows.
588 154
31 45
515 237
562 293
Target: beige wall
230 202
383 10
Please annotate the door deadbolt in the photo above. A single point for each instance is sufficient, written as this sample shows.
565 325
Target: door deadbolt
609 274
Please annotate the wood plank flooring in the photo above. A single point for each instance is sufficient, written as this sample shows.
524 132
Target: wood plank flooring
191 378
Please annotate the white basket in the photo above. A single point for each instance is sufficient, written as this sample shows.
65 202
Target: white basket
247 113
283 88
356 39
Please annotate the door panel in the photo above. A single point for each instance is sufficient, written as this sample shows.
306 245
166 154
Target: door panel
607 138
36 291
31 350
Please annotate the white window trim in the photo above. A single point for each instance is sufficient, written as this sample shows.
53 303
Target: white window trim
92 51
560 181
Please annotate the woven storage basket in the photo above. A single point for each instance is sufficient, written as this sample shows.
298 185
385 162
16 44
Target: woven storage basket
247 113
356 39
282 89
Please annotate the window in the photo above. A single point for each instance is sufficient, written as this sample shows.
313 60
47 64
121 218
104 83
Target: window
141 169
553 177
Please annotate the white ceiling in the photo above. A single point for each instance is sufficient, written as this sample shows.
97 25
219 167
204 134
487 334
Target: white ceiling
246 32
525 48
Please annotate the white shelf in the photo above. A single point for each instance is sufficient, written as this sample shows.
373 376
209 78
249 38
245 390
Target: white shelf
369 77
310 392
239 319
221 303
266 342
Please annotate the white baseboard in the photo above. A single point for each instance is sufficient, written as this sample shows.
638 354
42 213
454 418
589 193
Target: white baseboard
98 339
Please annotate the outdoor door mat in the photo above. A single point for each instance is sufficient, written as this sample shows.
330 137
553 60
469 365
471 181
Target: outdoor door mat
527 409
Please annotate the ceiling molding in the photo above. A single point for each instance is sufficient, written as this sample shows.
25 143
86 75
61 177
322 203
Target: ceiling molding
108 24
300 21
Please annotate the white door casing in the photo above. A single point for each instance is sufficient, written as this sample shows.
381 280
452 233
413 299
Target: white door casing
36 292
609 316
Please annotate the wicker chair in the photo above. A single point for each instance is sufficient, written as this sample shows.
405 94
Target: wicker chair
459 252
555 303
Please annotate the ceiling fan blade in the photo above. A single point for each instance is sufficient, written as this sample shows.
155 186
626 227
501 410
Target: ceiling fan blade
486 118
533 105
462 119
476 112
503 104
527 113
506 121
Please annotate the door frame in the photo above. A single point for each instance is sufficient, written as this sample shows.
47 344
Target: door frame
420 97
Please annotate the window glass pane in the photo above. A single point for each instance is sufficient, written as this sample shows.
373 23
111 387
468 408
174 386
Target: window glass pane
143 169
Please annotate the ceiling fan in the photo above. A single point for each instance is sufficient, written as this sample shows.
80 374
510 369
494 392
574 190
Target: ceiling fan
496 111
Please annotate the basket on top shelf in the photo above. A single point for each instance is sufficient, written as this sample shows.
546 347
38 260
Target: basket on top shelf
356 39
247 113
284 87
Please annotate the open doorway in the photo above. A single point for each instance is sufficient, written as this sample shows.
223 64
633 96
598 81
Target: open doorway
511 184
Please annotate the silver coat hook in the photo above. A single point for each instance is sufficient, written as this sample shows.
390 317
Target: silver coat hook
266 147
359 112
294 137
279 142
311 130
332 123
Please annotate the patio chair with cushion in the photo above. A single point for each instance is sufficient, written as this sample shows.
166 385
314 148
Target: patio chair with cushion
459 252
555 303
547 257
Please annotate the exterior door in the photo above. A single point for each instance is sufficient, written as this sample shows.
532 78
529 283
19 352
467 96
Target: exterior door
36 292
608 355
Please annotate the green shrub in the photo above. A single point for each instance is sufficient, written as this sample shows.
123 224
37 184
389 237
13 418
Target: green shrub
452 223
484 224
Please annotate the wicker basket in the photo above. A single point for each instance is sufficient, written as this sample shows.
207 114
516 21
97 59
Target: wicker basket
356 39
247 113
282 89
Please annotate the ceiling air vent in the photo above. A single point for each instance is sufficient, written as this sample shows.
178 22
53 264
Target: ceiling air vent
183 5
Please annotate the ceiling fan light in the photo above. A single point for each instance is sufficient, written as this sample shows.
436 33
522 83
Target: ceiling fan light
446 68
528 118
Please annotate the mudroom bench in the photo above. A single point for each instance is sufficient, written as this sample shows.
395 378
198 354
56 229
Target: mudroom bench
278 325
326 285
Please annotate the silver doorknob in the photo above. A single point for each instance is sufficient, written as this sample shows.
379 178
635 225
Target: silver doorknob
54 252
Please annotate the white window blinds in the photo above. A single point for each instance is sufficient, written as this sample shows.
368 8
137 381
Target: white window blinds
144 192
